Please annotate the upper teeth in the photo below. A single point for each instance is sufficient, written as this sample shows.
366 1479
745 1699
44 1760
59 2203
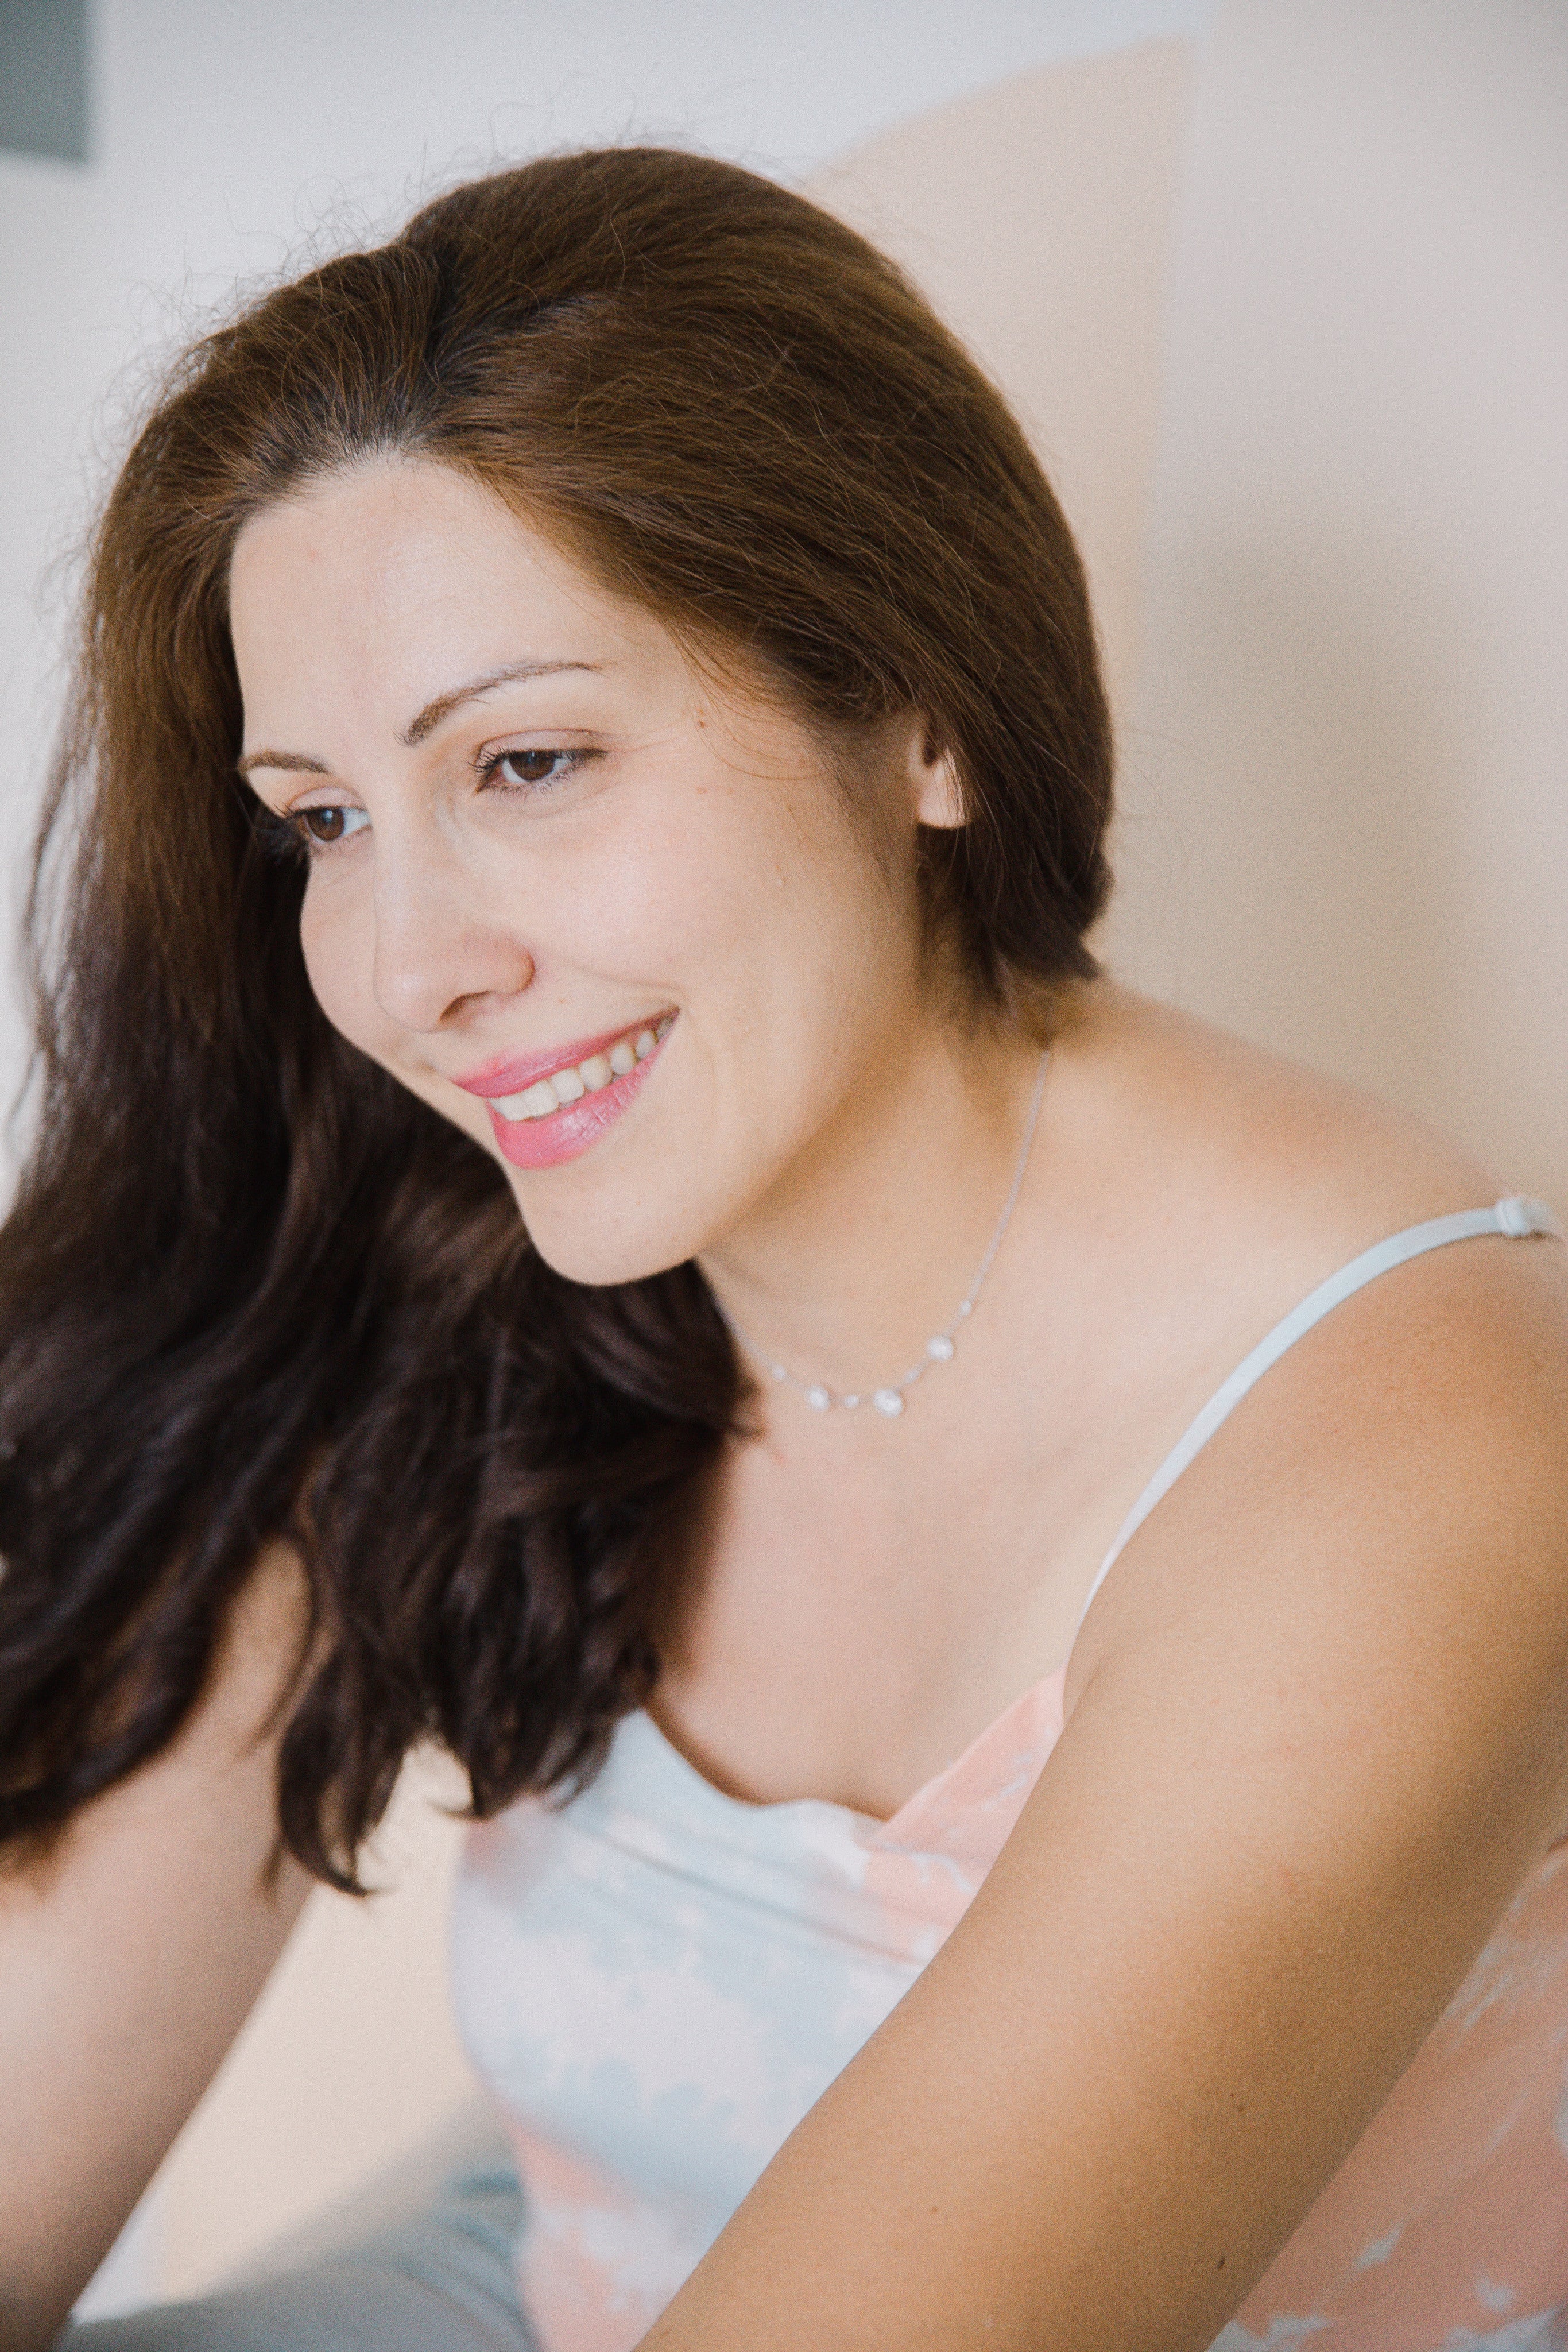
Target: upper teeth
585 1078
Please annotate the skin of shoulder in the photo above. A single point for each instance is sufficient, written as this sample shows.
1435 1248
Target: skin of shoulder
1316 1740
1292 1170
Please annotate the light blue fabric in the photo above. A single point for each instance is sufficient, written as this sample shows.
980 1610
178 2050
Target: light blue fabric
441 2282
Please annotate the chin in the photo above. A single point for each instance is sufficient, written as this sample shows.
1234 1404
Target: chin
581 1246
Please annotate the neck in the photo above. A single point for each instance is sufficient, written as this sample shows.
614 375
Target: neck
866 1247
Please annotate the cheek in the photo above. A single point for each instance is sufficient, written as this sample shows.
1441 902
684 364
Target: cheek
720 881
659 903
337 940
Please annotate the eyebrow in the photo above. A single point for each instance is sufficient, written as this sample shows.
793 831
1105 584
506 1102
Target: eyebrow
443 705
425 721
293 761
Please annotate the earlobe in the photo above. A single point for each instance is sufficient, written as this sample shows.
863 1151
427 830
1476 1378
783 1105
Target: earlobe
938 798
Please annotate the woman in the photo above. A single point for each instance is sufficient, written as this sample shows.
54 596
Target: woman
590 1203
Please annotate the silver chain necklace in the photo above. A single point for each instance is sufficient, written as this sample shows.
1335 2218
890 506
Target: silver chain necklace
939 1349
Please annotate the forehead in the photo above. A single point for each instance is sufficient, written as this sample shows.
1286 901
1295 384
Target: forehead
410 569
365 596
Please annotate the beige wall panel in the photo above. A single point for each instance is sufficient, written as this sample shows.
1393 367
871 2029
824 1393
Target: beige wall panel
1037 218
1347 819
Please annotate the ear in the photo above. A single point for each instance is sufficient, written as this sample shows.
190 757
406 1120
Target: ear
933 781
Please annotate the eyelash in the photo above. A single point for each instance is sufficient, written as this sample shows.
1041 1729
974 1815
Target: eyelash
285 835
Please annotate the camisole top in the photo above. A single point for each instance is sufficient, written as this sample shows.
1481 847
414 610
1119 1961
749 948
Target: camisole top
656 1980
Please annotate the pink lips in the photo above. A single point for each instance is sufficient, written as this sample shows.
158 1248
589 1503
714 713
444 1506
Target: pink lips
519 1070
576 1127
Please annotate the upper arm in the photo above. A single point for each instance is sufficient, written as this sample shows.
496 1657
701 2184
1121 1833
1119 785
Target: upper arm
130 1957
1319 1740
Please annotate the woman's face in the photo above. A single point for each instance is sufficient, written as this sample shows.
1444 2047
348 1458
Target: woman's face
610 918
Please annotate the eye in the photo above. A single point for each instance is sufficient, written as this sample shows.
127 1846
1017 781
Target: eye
327 825
529 771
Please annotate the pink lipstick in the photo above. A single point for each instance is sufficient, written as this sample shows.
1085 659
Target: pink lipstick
549 1107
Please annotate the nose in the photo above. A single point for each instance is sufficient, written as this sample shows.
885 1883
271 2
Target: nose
440 948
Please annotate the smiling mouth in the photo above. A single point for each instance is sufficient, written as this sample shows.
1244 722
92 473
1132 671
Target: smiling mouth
588 1077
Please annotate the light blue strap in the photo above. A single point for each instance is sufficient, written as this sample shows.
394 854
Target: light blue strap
1514 1217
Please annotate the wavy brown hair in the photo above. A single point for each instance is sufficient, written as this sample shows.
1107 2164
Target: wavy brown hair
251 1289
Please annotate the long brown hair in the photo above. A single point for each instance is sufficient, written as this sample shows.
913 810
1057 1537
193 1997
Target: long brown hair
250 1287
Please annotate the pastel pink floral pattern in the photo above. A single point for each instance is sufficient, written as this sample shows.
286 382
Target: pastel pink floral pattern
657 1982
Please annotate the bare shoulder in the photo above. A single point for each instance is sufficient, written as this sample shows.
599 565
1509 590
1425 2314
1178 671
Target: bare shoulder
1289 1162
1404 1467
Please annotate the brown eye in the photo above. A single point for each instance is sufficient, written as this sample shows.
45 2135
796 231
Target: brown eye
325 825
532 770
